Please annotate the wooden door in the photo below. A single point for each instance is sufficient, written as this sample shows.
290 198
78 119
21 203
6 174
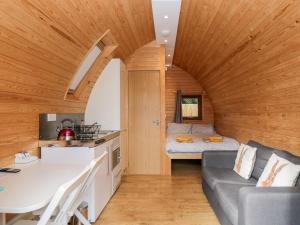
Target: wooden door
144 122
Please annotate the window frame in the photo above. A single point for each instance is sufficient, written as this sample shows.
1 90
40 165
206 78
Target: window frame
200 107
83 90
101 46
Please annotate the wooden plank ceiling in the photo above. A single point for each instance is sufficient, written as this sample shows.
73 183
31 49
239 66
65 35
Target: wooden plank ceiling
42 43
246 54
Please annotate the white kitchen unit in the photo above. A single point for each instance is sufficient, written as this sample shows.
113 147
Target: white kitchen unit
115 162
101 189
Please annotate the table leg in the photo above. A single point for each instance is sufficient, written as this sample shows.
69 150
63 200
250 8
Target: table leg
2 219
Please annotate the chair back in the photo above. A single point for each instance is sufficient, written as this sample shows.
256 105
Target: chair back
95 164
94 167
64 198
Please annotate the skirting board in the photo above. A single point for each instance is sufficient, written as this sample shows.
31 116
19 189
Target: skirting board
185 155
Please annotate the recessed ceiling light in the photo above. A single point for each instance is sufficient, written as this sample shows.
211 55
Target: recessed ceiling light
169 55
166 16
165 33
166 41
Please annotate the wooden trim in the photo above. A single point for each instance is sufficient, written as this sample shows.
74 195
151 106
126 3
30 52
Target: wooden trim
86 84
165 162
124 115
184 155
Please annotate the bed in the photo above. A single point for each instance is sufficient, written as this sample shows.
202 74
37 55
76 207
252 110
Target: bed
198 132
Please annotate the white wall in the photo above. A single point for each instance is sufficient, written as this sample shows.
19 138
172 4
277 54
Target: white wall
103 105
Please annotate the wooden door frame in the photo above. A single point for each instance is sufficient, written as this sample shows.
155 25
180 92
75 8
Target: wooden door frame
165 161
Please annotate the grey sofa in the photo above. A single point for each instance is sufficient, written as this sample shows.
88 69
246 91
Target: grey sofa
237 201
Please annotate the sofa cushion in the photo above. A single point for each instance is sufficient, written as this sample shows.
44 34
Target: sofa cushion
263 154
279 172
214 176
228 198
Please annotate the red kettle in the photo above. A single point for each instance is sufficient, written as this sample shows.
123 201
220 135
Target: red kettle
66 133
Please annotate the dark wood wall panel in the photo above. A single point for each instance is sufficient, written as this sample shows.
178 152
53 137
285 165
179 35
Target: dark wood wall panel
246 56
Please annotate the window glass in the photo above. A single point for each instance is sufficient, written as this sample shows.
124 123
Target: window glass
192 107
84 68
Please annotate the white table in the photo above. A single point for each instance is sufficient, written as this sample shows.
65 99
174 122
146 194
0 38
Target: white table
33 187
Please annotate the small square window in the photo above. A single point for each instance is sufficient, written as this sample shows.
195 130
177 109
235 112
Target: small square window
191 107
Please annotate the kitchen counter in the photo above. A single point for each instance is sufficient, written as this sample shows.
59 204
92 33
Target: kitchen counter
104 137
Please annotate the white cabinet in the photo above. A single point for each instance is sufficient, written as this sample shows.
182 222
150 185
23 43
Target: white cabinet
101 190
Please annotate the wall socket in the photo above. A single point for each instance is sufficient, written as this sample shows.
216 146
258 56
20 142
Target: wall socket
51 117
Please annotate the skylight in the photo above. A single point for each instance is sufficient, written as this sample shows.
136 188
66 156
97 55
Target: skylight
85 66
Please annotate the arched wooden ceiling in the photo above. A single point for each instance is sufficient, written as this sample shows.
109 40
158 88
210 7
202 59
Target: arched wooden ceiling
246 56
42 43
245 53
70 28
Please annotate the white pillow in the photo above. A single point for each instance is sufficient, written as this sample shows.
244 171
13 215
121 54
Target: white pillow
206 129
279 172
179 128
244 162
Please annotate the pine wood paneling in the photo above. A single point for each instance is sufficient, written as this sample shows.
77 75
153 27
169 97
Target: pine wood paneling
124 115
42 45
144 134
246 56
151 57
145 58
178 79
165 161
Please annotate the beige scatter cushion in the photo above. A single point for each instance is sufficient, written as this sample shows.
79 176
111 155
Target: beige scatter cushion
244 162
279 172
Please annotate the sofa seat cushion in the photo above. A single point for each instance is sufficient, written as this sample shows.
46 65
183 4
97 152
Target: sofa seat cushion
214 176
228 199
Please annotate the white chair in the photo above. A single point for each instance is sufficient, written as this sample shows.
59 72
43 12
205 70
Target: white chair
63 200
93 169
95 164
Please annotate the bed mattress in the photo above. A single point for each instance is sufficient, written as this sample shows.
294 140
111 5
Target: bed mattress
198 145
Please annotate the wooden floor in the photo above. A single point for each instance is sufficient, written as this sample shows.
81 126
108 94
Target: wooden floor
161 200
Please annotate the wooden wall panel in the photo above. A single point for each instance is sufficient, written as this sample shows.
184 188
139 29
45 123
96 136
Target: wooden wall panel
151 57
124 115
246 56
145 58
42 43
178 79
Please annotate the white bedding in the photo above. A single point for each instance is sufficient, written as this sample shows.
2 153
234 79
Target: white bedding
198 146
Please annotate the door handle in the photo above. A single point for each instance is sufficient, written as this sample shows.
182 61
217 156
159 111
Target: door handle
156 122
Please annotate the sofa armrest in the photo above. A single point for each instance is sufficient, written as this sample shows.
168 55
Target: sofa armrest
219 159
269 206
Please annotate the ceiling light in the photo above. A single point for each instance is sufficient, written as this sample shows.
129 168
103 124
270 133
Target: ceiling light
169 55
166 41
166 16
165 33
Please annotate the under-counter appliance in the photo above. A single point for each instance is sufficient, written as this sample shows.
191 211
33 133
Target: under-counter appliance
101 189
116 163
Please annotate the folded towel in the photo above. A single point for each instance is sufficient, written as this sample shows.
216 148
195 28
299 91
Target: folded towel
184 139
215 139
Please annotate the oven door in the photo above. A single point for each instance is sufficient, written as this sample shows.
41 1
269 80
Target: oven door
116 157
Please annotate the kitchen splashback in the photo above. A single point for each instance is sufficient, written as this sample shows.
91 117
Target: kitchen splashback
49 124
